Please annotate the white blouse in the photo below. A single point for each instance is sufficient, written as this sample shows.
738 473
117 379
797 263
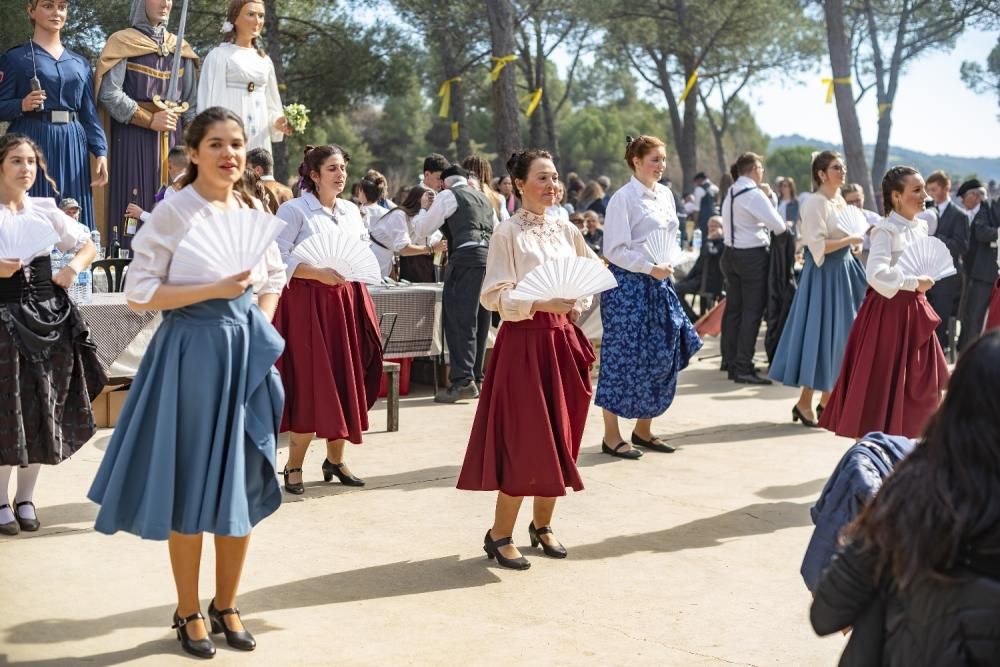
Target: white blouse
633 213
519 244
306 216
819 224
889 238
43 209
154 245
242 81
395 231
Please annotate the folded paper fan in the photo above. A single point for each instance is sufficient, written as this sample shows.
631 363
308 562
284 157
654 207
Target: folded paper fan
346 255
23 237
565 278
852 221
663 249
927 257
220 244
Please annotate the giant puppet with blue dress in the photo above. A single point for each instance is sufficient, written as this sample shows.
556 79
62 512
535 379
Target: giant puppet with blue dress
135 68
47 93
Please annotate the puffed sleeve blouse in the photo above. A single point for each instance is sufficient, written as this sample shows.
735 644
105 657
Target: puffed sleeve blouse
889 239
819 224
519 244
154 245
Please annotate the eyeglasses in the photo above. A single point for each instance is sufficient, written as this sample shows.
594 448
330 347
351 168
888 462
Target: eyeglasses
838 167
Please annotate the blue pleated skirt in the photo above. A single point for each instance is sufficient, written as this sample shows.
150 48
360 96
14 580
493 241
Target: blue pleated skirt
826 302
194 449
647 342
64 146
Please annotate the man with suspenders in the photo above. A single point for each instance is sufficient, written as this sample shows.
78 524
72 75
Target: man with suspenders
749 216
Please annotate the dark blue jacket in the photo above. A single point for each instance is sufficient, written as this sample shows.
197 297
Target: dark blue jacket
856 479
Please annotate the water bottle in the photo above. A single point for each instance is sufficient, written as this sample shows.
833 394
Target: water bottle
95 236
696 241
71 291
85 287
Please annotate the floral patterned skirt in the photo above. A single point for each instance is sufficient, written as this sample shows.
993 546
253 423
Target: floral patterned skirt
647 342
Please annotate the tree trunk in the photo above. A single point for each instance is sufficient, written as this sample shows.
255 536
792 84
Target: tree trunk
508 133
850 129
720 149
456 113
552 137
880 161
274 50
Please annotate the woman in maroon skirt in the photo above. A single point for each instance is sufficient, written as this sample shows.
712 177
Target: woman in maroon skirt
332 362
993 318
534 401
893 371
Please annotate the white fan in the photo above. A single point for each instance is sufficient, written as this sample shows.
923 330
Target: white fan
852 221
564 278
345 254
220 244
663 249
24 238
927 257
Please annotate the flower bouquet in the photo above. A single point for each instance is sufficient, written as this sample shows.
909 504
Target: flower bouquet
297 116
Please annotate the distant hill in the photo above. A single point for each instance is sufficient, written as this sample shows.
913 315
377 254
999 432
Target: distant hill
958 167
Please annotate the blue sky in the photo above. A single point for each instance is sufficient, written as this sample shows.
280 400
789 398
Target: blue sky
934 111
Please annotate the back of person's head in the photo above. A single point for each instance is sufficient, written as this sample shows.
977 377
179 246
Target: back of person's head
605 182
453 174
261 157
379 179
725 183
480 169
945 496
178 157
371 189
435 162
591 192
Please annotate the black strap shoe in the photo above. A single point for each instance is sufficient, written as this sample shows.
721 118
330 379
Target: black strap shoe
296 489
631 454
238 639
28 525
331 470
798 416
655 444
492 550
558 551
199 648
11 527
750 378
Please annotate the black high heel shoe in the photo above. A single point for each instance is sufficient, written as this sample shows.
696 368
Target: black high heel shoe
798 416
558 551
296 489
238 639
331 470
199 648
492 550
11 527
28 525
819 412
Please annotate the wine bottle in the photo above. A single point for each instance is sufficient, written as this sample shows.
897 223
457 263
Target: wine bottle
116 246
131 224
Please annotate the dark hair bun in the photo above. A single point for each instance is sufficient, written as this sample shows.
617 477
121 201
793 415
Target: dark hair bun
628 140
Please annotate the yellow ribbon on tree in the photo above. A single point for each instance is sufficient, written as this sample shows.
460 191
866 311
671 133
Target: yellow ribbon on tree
882 108
533 99
690 84
454 130
499 64
445 94
829 83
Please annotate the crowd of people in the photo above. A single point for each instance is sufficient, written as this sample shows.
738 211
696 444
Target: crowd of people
293 347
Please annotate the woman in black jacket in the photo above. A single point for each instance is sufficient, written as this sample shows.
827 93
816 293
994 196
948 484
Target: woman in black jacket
919 577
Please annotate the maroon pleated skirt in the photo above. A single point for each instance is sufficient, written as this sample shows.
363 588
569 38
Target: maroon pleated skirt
893 371
332 363
993 318
532 411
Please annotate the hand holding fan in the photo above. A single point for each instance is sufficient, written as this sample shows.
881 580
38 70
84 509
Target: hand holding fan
852 221
662 248
348 256
927 257
220 244
564 278
24 238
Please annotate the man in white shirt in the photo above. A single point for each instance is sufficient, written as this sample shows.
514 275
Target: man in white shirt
951 227
749 217
467 219
980 261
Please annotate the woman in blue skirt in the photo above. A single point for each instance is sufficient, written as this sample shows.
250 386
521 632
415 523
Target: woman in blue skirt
647 337
830 293
61 117
194 449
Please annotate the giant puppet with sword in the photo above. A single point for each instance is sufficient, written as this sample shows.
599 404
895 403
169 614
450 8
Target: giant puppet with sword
146 87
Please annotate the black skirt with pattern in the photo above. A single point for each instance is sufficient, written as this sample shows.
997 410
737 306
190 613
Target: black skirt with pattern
49 370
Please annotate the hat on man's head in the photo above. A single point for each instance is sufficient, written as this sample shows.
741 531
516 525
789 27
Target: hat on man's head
454 170
971 184
69 203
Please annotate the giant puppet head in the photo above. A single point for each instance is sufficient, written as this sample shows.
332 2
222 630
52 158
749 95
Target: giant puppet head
153 13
